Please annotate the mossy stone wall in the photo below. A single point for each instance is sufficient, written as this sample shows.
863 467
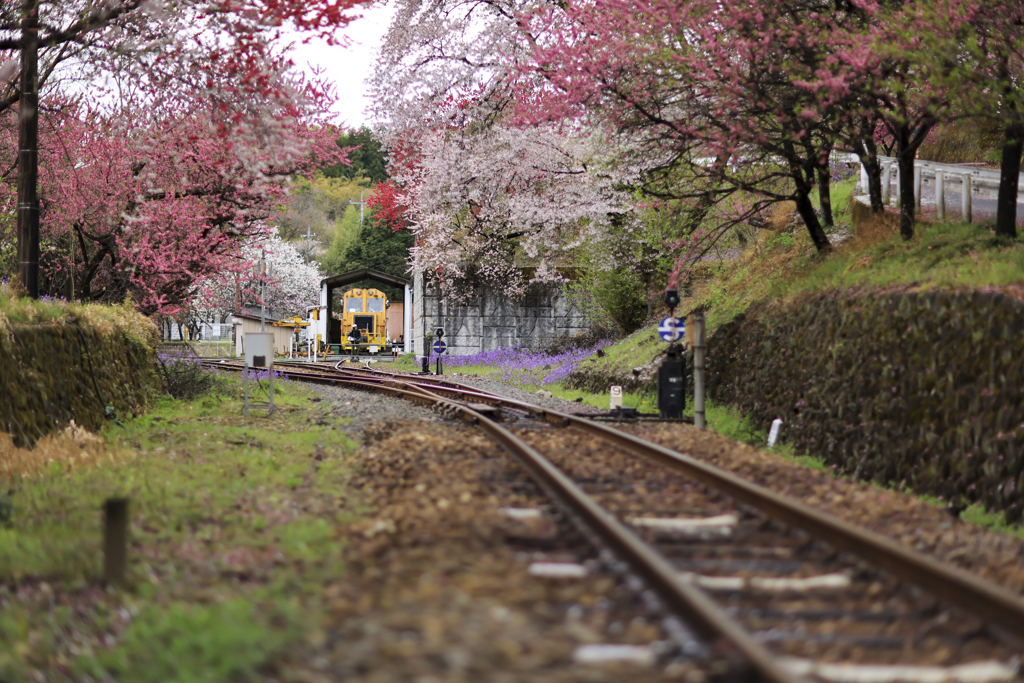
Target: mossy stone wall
916 389
55 372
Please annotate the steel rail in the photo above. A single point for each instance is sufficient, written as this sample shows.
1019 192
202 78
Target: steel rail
682 599
952 585
973 594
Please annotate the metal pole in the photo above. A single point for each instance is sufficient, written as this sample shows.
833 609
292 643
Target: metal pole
698 371
361 204
940 195
965 197
263 291
308 236
28 134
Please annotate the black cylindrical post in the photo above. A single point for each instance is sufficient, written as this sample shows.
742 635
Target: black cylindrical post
115 540
28 133
672 385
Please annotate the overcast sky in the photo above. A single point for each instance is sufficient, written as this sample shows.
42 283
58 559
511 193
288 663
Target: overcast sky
349 67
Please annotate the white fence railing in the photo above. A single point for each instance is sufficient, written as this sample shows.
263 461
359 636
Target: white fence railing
966 179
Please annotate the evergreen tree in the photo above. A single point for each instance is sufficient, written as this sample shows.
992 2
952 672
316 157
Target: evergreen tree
368 161
381 248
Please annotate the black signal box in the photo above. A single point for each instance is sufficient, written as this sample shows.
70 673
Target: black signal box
672 385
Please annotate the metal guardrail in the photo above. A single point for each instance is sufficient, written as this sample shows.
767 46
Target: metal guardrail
986 178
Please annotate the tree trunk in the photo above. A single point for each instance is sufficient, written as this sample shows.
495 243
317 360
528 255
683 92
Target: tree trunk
905 161
825 195
806 210
869 160
1009 176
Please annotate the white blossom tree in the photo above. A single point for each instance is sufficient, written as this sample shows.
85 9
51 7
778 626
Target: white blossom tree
292 285
485 193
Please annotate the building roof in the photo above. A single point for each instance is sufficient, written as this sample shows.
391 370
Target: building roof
354 276
253 317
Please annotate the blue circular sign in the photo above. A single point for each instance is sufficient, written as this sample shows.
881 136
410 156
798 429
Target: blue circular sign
439 347
672 329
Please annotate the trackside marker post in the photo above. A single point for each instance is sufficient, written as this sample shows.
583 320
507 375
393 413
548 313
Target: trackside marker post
615 398
115 541
773 434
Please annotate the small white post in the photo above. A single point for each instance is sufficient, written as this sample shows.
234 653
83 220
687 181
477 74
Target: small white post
615 397
863 178
698 371
886 179
773 434
917 188
940 196
965 196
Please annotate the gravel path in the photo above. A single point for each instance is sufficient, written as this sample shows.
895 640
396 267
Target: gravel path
366 408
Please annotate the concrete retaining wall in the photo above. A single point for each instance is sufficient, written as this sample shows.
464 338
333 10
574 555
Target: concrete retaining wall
492 320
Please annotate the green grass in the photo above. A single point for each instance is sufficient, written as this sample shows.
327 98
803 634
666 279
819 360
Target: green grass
123 318
993 521
942 255
839 194
235 533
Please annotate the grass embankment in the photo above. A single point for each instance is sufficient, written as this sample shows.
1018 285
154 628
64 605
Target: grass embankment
785 265
234 538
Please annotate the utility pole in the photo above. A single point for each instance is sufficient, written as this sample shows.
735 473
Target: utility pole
361 204
308 236
264 270
28 145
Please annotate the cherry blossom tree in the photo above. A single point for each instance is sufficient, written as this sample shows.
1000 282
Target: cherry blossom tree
292 286
225 60
144 203
486 203
747 97
484 196
202 51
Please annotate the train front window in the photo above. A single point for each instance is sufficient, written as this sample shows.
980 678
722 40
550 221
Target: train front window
353 305
375 305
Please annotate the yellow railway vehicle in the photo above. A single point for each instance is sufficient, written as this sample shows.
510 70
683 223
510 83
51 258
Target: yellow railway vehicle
365 310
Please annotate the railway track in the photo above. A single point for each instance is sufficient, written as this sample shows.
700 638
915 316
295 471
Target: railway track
787 591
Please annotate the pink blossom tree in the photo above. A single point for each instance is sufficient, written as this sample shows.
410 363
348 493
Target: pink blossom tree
146 204
224 62
747 98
